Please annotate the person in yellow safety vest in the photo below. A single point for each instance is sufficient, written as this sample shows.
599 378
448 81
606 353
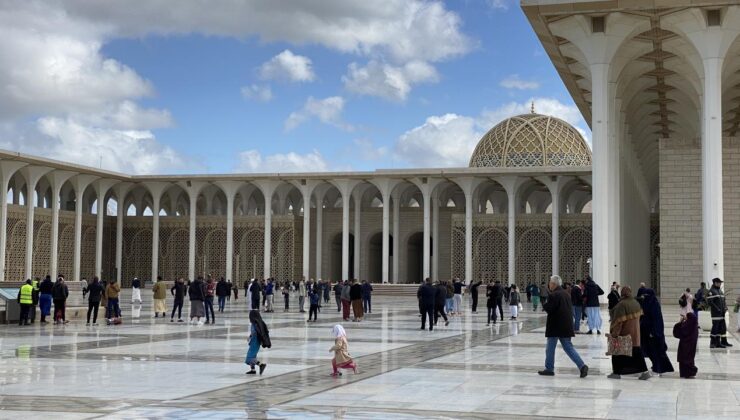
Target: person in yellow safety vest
25 298
35 297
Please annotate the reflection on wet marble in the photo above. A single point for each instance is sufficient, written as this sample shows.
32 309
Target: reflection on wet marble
151 368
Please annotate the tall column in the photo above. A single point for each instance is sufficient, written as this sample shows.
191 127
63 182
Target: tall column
435 236
156 189
79 183
345 187
555 231
306 187
32 174
101 189
468 186
427 240
358 210
711 159
120 190
193 188
230 189
601 212
511 185
319 232
7 169
396 201
386 233
268 188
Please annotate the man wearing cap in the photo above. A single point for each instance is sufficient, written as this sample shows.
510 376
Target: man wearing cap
718 307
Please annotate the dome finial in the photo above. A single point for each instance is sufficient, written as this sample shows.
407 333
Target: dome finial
533 107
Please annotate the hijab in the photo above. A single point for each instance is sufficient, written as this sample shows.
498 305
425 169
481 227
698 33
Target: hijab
338 331
627 309
652 319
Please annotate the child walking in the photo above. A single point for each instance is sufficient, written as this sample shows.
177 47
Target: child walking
687 331
514 302
260 336
341 359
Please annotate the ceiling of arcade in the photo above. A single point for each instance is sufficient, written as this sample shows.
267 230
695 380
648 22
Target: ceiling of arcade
656 73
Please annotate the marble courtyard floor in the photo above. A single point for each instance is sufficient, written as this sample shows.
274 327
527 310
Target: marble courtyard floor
151 368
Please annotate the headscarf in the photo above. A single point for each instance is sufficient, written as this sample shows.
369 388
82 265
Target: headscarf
338 331
628 308
652 319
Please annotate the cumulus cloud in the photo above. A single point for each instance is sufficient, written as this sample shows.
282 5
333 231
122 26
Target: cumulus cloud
388 81
327 110
262 93
365 149
289 67
253 161
515 82
448 140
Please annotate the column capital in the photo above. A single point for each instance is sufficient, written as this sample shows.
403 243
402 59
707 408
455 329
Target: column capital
230 188
8 168
58 178
385 185
156 189
511 184
80 182
426 185
33 174
468 184
193 188
555 183
345 186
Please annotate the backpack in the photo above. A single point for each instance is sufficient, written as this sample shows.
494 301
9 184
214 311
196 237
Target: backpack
682 301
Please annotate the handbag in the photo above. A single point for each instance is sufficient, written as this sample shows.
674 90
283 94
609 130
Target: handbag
619 345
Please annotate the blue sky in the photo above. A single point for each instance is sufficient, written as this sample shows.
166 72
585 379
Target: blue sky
190 94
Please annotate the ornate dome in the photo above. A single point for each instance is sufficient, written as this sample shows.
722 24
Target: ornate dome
531 140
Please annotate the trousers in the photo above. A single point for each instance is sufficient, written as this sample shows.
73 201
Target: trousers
567 347
577 314
114 310
594 317
427 311
92 307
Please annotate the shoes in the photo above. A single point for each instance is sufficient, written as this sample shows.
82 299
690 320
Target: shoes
590 332
172 319
88 324
422 328
488 324
180 320
252 372
334 375
200 323
614 376
546 373
598 332
725 343
447 323
645 376
584 371
95 324
262 367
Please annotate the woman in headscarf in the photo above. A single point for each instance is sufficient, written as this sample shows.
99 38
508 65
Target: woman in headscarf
341 359
626 321
259 336
652 333
687 332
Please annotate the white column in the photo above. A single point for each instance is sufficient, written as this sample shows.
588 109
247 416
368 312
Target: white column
230 237
555 231
7 169
711 157
600 173
155 236
468 237
268 237
306 236
396 201
435 236
511 185
32 174
192 230
345 236
386 234
80 183
358 210
101 189
319 232
121 190
427 198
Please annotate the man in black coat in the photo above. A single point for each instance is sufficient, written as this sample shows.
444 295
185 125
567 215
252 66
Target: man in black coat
559 328
439 303
498 298
474 294
593 311
427 295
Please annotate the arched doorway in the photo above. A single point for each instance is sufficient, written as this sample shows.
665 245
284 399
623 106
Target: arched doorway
336 256
375 257
414 258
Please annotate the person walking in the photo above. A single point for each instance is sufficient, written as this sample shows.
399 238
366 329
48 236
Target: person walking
223 292
341 359
255 290
687 332
427 295
286 296
196 293
626 322
179 290
346 299
592 292
25 299
45 298
355 296
338 295
474 295
210 292
327 290
457 285
301 295
314 296
136 291
34 299
95 292
259 337
439 303
450 298
367 295
513 302
235 288
736 310
717 309
490 304
613 297
113 309
652 335
700 299
559 309
535 292
270 295
576 298
59 294
544 295
159 295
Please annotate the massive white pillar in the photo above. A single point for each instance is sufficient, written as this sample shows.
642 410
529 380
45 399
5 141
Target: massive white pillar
345 187
711 159
306 187
320 191
555 185
386 186
468 186
435 236
427 186
358 211
230 189
268 188
511 185
396 202
7 169
156 189
32 175
120 190
193 188
101 189
80 184
602 182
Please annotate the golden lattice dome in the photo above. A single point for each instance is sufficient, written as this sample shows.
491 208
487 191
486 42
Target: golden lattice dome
531 140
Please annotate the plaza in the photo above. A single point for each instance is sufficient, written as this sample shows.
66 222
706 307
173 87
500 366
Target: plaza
151 368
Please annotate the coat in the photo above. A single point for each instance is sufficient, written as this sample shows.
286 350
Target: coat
626 325
427 295
687 333
222 288
355 292
95 291
440 296
593 291
559 314
341 351
159 290
112 291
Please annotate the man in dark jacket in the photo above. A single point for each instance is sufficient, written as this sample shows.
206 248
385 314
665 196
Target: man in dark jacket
576 298
559 328
439 303
95 291
45 298
474 294
498 296
223 290
178 290
367 294
593 291
256 290
427 295
355 297
717 308
59 294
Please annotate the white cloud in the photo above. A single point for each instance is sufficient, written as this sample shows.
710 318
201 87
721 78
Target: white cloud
387 81
288 66
514 82
448 140
262 93
253 161
327 110
500 4
365 149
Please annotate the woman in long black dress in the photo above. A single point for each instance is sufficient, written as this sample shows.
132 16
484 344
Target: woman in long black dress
652 333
